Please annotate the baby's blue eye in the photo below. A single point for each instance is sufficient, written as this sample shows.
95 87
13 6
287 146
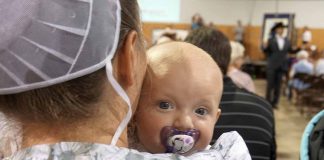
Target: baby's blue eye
201 111
165 105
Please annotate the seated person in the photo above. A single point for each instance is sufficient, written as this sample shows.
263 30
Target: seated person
242 111
168 36
319 66
302 66
311 146
240 78
179 103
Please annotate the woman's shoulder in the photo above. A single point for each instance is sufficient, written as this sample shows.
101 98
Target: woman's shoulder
10 137
240 76
76 150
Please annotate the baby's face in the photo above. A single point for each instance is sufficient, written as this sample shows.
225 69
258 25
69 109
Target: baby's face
183 99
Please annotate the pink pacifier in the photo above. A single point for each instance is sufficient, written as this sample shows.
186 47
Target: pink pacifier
177 141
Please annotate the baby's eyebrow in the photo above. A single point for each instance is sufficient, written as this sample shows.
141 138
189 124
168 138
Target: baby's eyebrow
206 102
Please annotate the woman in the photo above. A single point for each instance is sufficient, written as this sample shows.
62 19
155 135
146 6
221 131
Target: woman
64 81
71 74
240 78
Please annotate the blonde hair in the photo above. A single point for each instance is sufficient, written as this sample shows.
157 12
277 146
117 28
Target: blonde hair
237 51
302 54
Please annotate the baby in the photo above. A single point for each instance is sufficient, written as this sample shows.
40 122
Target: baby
179 103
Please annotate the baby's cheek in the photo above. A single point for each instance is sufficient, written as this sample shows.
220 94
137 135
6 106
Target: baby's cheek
203 142
149 133
206 134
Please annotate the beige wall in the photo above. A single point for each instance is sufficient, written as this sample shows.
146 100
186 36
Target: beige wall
252 36
308 12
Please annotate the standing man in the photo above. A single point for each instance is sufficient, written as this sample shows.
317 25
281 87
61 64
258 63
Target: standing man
276 50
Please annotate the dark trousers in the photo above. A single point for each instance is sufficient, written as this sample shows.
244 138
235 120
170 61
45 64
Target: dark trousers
274 77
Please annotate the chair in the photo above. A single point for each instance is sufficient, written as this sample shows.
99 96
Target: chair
311 99
302 87
305 141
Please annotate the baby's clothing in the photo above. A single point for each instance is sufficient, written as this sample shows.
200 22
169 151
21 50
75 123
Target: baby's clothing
223 144
230 146
10 137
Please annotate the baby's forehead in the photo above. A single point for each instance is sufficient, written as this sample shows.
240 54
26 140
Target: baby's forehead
174 51
177 59
171 55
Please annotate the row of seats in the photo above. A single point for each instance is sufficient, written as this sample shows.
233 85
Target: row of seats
310 98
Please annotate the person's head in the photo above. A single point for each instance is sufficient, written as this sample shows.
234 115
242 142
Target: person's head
239 22
82 98
280 31
182 90
215 43
279 28
237 55
168 36
195 18
303 54
197 21
211 25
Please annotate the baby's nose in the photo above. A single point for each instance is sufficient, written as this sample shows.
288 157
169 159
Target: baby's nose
183 122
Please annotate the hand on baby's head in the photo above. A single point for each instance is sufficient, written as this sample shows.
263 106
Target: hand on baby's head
181 94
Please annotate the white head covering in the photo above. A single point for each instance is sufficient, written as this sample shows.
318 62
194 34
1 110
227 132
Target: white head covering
45 42
237 50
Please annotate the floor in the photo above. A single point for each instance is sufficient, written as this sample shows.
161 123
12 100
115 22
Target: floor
290 125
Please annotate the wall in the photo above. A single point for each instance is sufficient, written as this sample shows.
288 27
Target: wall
227 12
251 38
218 11
307 12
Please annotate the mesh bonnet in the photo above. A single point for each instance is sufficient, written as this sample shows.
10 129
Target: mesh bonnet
45 42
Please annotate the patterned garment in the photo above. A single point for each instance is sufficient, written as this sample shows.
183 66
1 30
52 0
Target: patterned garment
10 137
251 116
230 146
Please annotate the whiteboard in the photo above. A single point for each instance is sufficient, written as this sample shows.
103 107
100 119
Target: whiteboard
160 10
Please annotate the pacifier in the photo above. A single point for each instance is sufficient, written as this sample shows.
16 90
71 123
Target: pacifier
176 141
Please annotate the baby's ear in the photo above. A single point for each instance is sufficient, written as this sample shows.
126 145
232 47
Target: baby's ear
218 113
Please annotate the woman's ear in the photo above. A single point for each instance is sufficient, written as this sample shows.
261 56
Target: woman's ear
126 59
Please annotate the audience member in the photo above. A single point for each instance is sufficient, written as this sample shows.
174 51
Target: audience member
276 50
311 146
319 65
302 66
197 21
179 103
307 36
239 32
243 111
169 35
240 78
